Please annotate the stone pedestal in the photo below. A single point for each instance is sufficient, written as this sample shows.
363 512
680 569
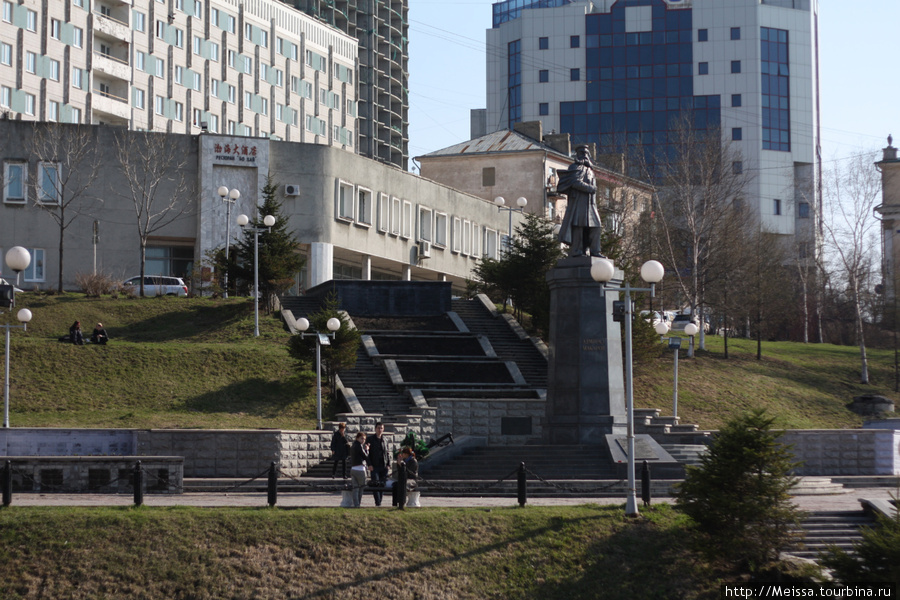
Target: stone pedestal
586 389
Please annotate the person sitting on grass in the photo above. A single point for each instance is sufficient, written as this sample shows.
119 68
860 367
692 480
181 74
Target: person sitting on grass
99 335
75 335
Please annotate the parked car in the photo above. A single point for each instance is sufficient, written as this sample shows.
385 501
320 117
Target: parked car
157 285
681 320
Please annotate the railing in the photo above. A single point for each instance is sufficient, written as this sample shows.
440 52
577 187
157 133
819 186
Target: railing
110 95
123 61
113 19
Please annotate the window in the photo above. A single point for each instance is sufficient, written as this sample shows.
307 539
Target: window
737 167
775 80
456 235
345 201
395 216
737 134
160 29
179 38
214 88
29 104
198 82
735 33
160 105
179 74
543 76
384 212
139 58
30 62
488 176
5 54
264 106
702 35
407 220
232 58
543 43
575 74
54 28
53 69
803 210
214 51
736 100
7 11
214 123
139 98
179 111
543 109
363 206
467 237
776 206
31 23
49 191
197 45
232 93
263 71
15 178
160 67
35 270
426 224
735 66
574 41
440 229
77 37
53 111
74 115
491 248
196 117
248 64
140 21
703 68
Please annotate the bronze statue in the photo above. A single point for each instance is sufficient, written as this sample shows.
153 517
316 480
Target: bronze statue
581 224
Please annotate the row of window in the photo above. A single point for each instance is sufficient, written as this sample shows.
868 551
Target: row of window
15 182
396 217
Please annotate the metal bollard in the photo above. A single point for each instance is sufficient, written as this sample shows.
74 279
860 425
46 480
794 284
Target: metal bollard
523 495
138 484
273 484
400 485
645 483
6 483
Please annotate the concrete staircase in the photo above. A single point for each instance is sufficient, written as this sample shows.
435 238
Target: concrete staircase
824 528
374 389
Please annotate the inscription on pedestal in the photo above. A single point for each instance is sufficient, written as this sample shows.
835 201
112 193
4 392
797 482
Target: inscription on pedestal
593 345
642 448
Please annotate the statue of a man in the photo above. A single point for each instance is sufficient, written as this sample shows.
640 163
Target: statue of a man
581 224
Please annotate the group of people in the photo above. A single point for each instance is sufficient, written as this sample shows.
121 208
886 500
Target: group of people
98 336
369 456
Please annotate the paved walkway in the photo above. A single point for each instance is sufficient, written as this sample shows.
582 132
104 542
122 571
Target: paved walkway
847 501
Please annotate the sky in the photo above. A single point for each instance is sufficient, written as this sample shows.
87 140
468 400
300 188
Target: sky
858 65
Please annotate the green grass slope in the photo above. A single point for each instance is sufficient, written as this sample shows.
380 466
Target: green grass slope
194 362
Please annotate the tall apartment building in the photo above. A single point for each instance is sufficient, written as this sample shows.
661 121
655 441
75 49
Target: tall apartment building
621 72
382 30
236 67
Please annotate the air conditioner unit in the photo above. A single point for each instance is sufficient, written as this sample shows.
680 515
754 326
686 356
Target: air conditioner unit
292 189
424 249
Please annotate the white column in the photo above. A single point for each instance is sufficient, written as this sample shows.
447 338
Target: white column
407 273
321 263
366 267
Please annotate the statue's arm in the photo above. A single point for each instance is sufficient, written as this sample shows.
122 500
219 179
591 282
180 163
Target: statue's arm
585 183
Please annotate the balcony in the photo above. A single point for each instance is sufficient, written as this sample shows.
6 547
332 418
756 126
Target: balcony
113 23
107 60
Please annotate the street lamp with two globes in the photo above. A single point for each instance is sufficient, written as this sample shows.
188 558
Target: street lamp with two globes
268 222
322 339
652 272
17 259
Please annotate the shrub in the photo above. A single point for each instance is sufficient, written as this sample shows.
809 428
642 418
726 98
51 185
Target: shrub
95 284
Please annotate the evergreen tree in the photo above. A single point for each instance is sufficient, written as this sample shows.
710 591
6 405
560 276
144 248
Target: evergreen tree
875 559
520 274
739 496
279 256
340 354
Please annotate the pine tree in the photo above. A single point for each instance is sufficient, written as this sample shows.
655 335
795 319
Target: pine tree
739 496
279 256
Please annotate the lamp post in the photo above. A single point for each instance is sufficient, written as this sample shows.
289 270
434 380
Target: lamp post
652 272
675 344
17 259
244 221
521 203
691 329
229 197
322 339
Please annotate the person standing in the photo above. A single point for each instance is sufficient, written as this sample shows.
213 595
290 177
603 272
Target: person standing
339 450
379 460
359 456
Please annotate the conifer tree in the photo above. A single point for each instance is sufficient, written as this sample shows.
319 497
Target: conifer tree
279 256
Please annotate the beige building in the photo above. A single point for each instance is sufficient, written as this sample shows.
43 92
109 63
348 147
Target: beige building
889 212
238 67
523 164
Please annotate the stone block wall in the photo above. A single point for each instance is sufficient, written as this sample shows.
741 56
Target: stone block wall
829 452
490 418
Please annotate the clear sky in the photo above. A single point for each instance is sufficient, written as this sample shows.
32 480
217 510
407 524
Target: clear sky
858 55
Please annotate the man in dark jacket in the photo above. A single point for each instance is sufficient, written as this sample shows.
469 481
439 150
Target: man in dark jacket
581 225
379 460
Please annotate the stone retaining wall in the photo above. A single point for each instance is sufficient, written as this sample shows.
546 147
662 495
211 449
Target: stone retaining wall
513 421
829 452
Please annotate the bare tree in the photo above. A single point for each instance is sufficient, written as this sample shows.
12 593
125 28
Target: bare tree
697 182
852 190
157 184
69 163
